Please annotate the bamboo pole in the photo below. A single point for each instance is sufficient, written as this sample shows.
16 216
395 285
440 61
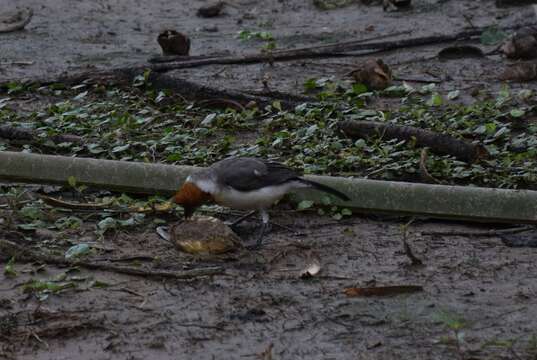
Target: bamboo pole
455 202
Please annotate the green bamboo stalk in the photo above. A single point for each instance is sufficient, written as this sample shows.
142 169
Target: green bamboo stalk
437 201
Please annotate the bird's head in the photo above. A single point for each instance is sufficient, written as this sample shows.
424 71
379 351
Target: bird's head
190 197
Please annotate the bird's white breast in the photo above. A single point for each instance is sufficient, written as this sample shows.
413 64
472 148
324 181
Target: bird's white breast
251 200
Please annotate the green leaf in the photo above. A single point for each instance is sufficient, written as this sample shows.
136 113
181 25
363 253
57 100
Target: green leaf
516 113
99 284
436 100
120 148
452 95
46 286
9 271
359 88
310 84
77 251
346 212
71 180
492 35
337 216
107 223
305 204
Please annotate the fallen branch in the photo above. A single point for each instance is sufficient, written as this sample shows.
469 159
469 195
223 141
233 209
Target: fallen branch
436 201
344 49
382 290
341 49
439 143
514 230
195 91
75 206
16 21
9 249
17 133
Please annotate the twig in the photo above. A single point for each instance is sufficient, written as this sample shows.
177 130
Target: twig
22 254
438 143
408 251
75 206
418 80
423 168
480 233
17 133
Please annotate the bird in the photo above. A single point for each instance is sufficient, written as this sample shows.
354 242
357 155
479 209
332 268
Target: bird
244 183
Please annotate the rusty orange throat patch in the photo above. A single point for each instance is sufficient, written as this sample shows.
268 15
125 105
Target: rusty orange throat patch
191 195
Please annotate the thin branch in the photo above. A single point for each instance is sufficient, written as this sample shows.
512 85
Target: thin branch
9 249
480 233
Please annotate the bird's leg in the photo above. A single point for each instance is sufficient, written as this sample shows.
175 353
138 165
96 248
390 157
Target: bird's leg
242 218
265 225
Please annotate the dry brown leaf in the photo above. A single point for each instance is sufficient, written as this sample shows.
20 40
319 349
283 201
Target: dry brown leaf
174 43
382 290
373 73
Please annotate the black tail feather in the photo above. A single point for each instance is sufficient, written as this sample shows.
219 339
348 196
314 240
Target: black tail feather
325 188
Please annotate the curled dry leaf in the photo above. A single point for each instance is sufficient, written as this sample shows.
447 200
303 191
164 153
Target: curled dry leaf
382 290
204 235
520 46
520 72
174 43
373 73
311 270
212 10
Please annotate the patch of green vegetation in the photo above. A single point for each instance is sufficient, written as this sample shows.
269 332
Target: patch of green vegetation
142 124
9 269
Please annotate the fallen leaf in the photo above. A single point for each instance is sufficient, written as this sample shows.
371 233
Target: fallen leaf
382 290
77 251
373 73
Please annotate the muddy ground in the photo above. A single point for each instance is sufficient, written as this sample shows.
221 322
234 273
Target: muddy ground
478 300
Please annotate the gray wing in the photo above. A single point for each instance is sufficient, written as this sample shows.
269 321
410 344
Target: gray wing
247 174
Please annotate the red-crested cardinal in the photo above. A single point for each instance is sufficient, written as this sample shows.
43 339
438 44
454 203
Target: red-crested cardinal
244 183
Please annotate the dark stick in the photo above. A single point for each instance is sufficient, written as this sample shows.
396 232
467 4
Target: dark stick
10 249
480 233
438 143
